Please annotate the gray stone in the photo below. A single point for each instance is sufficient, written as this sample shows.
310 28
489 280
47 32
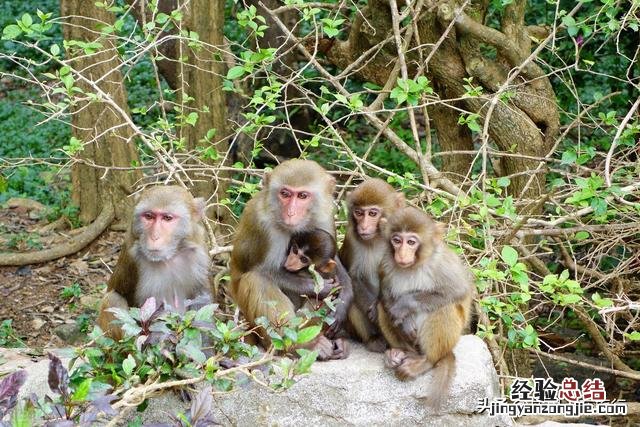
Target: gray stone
360 391
70 333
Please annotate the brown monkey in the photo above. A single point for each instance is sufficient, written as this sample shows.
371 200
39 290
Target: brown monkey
297 196
164 255
426 294
318 247
363 249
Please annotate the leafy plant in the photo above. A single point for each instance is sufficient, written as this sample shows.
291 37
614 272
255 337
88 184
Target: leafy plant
8 336
72 291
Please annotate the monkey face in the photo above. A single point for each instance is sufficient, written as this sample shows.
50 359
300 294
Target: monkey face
367 221
160 233
295 204
296 260
405 248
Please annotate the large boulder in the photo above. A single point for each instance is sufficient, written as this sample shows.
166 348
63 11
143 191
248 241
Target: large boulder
361 391
355 391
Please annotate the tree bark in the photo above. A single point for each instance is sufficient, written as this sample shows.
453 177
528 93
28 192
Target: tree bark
202 92
107 143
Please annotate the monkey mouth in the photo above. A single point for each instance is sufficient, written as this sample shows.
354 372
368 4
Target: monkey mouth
367 236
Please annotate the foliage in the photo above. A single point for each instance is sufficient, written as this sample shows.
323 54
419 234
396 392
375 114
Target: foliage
8 336
160 345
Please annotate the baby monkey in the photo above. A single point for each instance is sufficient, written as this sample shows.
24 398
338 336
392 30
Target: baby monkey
318 247
425 300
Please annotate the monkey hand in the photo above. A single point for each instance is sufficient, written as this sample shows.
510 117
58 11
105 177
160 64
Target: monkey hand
329 286
339 317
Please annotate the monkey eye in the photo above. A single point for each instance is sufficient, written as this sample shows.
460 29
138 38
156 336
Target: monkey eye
285 194
148 215
396 240
411 242
167 218
304 259
358 212
303 195
373 214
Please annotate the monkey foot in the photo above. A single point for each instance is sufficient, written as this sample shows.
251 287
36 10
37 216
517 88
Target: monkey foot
394 357
411 367
331 349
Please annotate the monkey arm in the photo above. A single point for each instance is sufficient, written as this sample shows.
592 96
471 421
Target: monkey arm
345 296
300 284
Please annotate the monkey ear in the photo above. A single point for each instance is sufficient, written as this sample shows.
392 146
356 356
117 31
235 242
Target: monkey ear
329 267
440 230
200 206
266 179
399 200
331 185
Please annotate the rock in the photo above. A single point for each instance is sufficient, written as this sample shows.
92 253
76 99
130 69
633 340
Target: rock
90 301
37 323
69 333
24 204
47 309
359 391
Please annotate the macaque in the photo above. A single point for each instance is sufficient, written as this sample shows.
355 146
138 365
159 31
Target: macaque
164 255
363 249
426 294
297 197
318 248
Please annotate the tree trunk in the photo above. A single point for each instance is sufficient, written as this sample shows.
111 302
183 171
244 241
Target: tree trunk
97 124
202 93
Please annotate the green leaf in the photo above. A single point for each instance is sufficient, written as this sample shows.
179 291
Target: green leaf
26 20
161 18
235 72
307 334
192 118
305 361
54 49
82 390
503 181
509 255
633 336
582 235
128 365
10 32
569 157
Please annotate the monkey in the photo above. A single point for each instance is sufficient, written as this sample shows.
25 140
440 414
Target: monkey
297 196
425 299
318 247
164 255
362 251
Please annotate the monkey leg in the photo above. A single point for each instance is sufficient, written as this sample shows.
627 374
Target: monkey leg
388 331
257 296
360 325
112 299
440 332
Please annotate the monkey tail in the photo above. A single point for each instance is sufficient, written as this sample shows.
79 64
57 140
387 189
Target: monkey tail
442 375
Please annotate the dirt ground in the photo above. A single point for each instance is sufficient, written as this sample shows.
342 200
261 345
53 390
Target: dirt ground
32 295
